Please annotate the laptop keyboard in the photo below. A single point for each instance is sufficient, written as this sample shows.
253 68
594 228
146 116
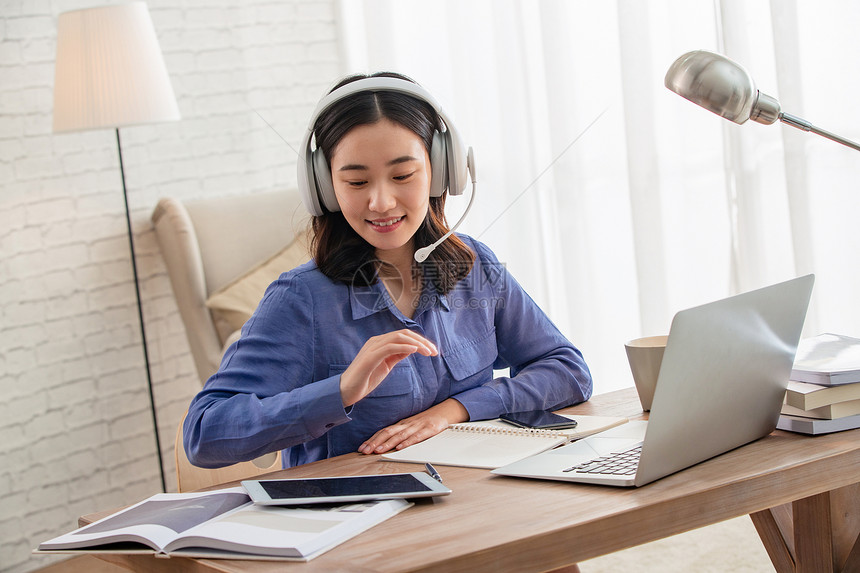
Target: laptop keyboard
618 463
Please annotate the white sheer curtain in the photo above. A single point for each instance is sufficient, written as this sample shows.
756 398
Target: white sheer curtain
614 201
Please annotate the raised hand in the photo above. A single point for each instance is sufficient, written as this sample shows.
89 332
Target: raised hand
376 359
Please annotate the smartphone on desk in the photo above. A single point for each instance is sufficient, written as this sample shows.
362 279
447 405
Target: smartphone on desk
539 419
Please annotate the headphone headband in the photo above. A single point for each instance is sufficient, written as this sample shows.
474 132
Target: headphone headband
314 177
374 84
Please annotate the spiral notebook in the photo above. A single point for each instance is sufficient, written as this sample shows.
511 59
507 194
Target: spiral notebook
491 444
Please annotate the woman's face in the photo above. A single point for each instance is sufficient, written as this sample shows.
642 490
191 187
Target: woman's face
381 176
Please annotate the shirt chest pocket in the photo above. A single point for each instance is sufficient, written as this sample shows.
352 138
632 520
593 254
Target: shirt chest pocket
400 382
471 364
390 402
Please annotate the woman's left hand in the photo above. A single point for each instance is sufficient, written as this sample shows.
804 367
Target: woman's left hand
416 428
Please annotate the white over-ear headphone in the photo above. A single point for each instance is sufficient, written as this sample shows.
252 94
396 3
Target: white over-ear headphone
449 159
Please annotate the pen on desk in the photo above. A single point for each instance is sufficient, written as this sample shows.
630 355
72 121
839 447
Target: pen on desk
433 473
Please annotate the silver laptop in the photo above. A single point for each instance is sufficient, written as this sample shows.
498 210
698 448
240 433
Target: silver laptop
721 385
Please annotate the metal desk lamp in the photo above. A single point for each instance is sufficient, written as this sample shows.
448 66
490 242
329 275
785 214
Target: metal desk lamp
722 86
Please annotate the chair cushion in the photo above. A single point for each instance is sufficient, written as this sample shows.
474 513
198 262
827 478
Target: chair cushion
234 304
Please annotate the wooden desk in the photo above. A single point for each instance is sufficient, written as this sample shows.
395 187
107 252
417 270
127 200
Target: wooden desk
495 523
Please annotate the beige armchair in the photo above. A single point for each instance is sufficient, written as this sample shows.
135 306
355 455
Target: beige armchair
220 254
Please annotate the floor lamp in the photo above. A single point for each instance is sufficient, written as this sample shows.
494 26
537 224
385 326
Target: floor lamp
110 74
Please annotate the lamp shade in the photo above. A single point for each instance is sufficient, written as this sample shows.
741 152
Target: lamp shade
109 70
722 86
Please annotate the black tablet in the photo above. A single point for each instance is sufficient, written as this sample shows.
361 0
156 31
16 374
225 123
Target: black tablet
343 489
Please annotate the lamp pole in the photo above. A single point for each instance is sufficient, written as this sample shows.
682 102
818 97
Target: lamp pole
140 317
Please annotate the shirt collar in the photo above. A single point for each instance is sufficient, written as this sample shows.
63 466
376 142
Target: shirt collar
443 300
431 298
367 300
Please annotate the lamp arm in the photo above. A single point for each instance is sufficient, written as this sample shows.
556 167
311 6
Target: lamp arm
804 125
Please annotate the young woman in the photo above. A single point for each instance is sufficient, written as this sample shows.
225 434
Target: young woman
363 348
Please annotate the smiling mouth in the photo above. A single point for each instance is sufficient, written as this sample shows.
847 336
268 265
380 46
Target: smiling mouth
386 222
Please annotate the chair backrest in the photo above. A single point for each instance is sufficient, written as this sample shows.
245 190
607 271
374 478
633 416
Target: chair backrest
190 478
208 243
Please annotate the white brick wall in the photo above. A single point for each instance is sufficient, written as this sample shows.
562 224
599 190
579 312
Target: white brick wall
75 428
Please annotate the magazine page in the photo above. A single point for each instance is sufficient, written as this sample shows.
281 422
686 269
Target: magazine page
153 522
291 532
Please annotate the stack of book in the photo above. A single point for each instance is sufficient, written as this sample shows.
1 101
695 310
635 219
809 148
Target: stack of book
823 394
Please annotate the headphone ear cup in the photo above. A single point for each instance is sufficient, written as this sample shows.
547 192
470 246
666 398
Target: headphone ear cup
324 185
456 159
438 164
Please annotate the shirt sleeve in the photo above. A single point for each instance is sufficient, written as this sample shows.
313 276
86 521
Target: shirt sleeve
264 396
546 371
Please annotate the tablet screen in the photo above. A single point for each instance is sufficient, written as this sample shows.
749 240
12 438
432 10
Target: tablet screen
343 486
343 489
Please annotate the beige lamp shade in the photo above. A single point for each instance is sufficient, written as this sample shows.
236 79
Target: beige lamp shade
109 70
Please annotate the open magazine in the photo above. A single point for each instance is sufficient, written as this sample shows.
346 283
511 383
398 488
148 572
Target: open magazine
224 523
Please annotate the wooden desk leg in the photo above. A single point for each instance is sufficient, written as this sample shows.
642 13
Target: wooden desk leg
775 529
852 564
846 516
816 534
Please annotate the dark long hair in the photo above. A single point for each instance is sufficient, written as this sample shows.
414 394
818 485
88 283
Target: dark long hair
341 253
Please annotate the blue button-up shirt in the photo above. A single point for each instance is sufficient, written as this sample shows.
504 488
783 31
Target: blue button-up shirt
278 386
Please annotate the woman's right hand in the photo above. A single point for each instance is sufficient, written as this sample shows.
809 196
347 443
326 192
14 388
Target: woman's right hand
376 359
